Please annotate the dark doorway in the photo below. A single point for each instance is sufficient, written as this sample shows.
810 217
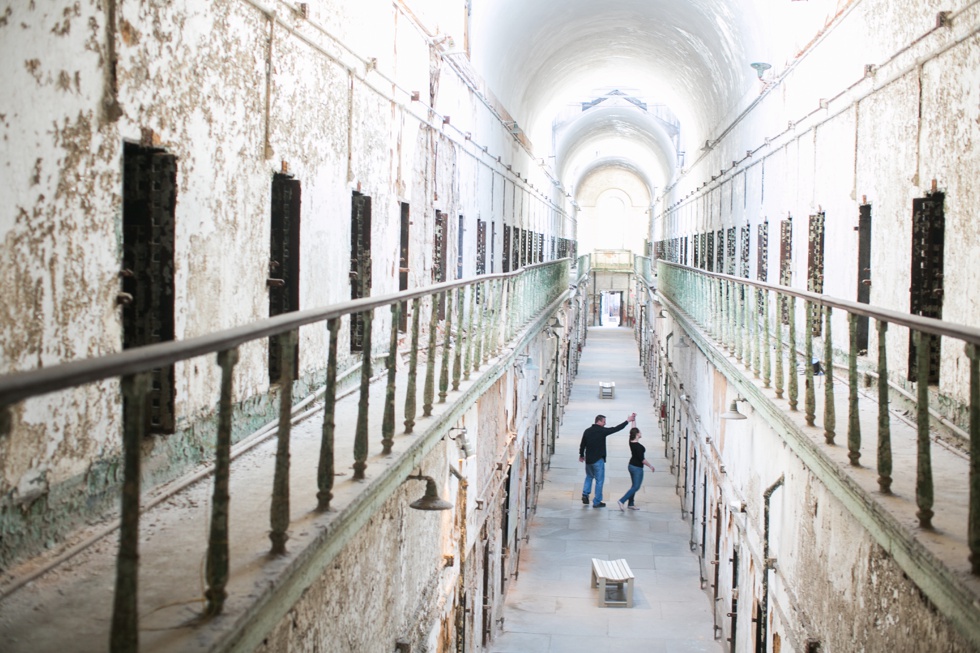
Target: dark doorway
360 263
283 263
785 263
815 271
439 248
403 268
459 248
505 259
481 247
928 240
149 203
864 273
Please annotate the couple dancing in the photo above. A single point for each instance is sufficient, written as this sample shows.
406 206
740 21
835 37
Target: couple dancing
592 451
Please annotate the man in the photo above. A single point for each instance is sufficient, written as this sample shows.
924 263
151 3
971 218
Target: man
592 451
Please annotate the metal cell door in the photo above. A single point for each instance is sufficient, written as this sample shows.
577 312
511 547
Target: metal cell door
360 263
149 202
864 272
926 293
815 265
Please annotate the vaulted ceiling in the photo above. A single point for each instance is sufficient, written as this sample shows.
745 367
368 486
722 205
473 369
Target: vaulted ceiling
667 73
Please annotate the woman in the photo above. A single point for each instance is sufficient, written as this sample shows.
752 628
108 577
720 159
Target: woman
637 461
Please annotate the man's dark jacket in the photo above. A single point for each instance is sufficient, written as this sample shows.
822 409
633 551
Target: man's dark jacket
593 445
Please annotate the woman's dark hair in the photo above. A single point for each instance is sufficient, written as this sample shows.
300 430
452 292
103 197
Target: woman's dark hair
633 432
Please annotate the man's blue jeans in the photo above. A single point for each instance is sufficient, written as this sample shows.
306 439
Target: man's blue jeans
636 474
597 471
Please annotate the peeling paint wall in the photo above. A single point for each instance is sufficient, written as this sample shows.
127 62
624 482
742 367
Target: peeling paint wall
236 96
831 581
423 578
884 103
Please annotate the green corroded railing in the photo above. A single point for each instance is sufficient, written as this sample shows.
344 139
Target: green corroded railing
756 323
479 317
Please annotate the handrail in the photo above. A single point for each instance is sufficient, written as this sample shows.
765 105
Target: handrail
927 324
752 326
489 312
17 386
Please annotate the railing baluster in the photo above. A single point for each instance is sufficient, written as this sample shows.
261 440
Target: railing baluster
458 350
363 402
853 418
479 326
884 418
388 421
498 297
737 323
756 336
744 350
829 409
429 389
973 527
488 320
810 396
447 335
730 313
279 510
216 570
717 294
923 484
413 365
325 471
794 387
766 343
468 356
125 618
779 311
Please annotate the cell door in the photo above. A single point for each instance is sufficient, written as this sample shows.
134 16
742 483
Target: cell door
785 263
360 263
481 247
926 293
283 280
762 252
815 269
403 266
864 272
149 203
505 260
439 248
730 255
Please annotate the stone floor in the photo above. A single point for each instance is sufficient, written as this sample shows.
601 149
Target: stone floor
550 606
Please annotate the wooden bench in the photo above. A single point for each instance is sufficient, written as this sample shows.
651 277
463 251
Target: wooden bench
607 389
613 573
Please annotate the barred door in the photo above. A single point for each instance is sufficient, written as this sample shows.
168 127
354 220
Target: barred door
926 293
360 263
149 202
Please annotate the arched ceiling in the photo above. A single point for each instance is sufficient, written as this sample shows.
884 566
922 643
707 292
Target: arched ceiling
618 134
540 57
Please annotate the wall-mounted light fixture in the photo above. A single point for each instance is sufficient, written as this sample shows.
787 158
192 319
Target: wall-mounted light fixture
662 313
555 328
683 396
732 412
682 343
431 499
760 68
460 438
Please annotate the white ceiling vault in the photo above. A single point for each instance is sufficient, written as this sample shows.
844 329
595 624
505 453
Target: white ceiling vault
659 67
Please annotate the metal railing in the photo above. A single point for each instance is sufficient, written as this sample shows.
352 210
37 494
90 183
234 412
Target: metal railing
479 317
756 323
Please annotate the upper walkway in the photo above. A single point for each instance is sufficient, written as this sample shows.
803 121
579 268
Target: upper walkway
550 606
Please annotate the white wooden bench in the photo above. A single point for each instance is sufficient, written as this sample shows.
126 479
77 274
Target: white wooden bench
607 389
613 573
